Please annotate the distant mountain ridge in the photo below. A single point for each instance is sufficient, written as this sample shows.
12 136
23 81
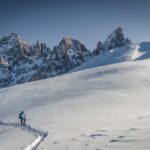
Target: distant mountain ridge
21 62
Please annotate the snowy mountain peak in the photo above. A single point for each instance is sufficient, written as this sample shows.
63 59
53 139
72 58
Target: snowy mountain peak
116 39
67 41
119 30
71 52
14 36
12 40
116 33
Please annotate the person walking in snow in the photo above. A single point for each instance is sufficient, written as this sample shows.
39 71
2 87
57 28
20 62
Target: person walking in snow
22 118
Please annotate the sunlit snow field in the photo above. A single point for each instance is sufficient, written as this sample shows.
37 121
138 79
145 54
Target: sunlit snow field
102 108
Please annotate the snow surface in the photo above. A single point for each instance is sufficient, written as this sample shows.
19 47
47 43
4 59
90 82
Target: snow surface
7 127
13 137
128 53
102 108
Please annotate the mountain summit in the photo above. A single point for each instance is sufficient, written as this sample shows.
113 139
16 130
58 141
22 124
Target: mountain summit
71 51
114 40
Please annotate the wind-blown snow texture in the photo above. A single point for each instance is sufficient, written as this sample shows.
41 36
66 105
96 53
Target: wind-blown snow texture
21 62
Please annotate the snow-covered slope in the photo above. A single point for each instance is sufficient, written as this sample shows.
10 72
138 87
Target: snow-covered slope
128 53
101 108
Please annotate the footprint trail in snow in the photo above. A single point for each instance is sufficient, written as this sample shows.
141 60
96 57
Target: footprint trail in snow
40 135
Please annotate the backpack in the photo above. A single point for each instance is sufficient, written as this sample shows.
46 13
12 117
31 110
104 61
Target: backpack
20 115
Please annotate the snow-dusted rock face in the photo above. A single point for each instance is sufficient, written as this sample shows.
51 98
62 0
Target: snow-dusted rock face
71 52
12 58
21 62
114 40
99 49
5 76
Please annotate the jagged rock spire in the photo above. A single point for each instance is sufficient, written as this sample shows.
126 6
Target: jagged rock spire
114 40
99 48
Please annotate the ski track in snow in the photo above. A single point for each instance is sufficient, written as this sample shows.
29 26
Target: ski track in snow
38 133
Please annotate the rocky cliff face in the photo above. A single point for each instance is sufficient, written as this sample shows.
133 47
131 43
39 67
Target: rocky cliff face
21 62
71 52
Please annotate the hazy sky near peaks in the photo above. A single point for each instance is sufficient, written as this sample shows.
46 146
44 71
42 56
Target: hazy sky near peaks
86 20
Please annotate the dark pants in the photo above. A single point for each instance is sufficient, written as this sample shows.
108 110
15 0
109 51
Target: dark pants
23 122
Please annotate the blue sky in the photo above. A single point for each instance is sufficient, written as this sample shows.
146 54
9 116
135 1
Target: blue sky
86 20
